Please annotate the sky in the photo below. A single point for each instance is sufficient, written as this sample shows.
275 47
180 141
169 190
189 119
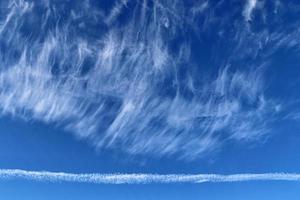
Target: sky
149 99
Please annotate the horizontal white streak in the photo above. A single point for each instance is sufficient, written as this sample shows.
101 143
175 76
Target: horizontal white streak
117 178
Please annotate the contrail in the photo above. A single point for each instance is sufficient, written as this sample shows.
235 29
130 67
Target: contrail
116 178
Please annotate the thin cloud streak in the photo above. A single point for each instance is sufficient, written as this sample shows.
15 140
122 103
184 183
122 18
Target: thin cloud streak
251 4
117 178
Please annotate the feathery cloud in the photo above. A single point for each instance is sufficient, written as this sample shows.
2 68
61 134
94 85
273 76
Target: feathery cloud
133 85
250 6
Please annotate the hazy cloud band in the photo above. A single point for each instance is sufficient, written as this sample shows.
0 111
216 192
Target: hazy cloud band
118 178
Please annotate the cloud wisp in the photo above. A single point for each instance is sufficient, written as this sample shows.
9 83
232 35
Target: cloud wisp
128 76
45 176
249 7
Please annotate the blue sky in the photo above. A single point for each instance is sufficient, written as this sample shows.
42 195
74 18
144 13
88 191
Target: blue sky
149 87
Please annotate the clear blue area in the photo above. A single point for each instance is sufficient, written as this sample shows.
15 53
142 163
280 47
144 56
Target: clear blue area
254 190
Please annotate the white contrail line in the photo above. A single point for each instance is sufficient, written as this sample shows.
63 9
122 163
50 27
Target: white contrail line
116 178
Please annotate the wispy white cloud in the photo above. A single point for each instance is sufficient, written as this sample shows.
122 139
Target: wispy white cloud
248 9
116 11
200 7
128 85
142 178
